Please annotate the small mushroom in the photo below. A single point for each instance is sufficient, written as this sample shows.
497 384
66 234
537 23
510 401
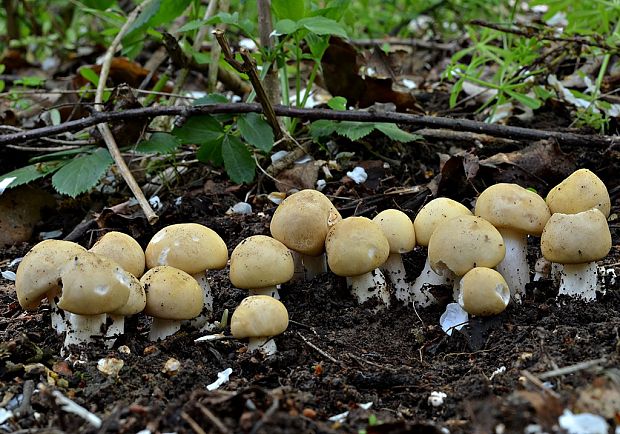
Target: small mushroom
38 276
172 296
122 249
580 191
577 241
398 229
483 292
301 223
259 317
355 248
261 263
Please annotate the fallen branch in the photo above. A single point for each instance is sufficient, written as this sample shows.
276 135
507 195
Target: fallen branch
420 121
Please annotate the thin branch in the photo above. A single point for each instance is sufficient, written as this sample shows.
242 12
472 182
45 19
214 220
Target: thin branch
571 369
104 129
419 121
417 43
318 350
265 29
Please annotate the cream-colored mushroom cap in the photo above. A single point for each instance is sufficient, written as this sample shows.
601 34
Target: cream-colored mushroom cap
122 249
259 316
302 220
260 261
190 247
92 285
171 294
355 246
579 192
398 229
576 238
510 206
433 213
483 292
463 243
39 271
136 301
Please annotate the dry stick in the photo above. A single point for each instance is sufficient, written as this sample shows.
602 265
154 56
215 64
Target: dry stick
191 422
213 418
317 349
104 129
265 29
247 67
571 369
420 121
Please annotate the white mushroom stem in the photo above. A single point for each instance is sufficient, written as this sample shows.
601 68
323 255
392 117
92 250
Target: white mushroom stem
264 344
556 272
162 328
514 267
419 290
59 322
271 291
116 327
207 302
314 265
369 285
299 274
82 328
579 281
395 269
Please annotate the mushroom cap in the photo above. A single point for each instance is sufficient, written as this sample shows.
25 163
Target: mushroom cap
260 261
258 316
137 298
92 285
433 213
355 246
39 271
122 249
576 238
579 192
171 294
302 220
398 229
483 292
510 206
190 247
463 243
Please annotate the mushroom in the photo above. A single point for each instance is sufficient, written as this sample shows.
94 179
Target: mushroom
261 263
92 285
577 241
259 317
193 248
301 223
462 243
38 276
580 191
355 248
172 296
398 229
483 292
432 214
135 304
122 249
516 212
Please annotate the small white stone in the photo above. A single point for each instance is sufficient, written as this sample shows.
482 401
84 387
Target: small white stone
110 366
436 399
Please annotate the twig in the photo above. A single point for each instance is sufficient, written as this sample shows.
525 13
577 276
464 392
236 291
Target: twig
104 129
536 382
25 407
213 418
420 121
265 29
418 43
270 411
317 349
191 422
571 369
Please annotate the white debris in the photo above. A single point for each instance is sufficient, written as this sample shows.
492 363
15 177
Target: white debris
71 407
171 367
498 371
276 197
568 95
583 423
320 184
222 377
124 349
178 201
50 235
409 84
305 159
278 155
358 175
436 399
342 417
533 429
5 415
248 44
208 338
5 183
558 20
421 22
242 208
15 261
453 318
155 202
8 275
110 366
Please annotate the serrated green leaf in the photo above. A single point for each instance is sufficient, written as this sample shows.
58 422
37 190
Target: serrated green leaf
158 143
323 26
395 133
256 131
337 103
322 128
289 9
211 152
82 173
285 27
238 160
199 129
60 155
354 130
26 174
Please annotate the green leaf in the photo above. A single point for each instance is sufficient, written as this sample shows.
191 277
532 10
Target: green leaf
30 81
323 26
192 25
60 155
158 143
338 103
256 131
212 98
145 16
26 174
211 151
354 130
199 129
289 9
395 133
98 4
322 128
527 101
285 27
238 160
82 173
89 75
